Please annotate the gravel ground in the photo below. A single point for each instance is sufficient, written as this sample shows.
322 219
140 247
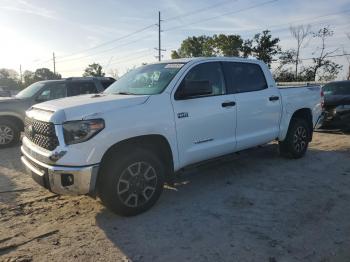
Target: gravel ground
251 206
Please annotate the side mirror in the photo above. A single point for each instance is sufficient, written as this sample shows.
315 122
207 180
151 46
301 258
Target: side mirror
191 88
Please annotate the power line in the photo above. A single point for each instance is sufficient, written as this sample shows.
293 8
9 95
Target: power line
200 10
103 51
113 61
111 41
224 14
286 25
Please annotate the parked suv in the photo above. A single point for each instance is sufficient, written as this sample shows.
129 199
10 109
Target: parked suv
12 109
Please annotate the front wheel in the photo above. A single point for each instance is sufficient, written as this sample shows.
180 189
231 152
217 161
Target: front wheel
131 182
9 133
297 139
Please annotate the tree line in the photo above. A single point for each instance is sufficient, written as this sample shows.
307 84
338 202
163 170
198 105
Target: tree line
265 47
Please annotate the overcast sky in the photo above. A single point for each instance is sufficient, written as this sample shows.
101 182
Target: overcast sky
32 30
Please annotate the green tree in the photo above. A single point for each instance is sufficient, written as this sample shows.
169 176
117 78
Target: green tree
45 74
228 45
9 79
264 47
195 47
284 75
247 47
94 69
28 78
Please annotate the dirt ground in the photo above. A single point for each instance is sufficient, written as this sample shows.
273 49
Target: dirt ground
251 206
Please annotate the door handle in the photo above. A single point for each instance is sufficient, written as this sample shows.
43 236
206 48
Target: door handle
228 104
274 98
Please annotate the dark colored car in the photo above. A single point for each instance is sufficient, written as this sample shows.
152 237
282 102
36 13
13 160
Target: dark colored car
5 93
337 105
12 109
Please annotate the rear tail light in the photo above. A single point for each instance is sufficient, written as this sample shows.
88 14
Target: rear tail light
322 99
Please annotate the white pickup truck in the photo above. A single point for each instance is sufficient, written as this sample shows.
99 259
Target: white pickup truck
124 144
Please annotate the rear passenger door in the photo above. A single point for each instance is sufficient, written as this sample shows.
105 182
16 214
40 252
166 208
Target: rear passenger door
76 88
258 106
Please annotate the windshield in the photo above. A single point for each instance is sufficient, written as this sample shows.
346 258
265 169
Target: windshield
341 88
30 90
145 80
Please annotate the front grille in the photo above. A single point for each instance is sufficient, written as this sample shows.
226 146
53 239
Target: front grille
41 133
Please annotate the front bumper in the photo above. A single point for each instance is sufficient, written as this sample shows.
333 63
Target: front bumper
61 179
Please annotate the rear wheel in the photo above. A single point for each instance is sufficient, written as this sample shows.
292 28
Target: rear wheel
9 133
131 182
297 139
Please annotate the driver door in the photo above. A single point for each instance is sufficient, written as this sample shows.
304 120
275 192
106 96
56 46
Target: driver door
205 124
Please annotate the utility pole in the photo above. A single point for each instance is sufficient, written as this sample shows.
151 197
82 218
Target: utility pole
54 62
20 73
159 39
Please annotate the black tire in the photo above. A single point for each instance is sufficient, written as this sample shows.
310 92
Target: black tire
8 129
297 139
119 188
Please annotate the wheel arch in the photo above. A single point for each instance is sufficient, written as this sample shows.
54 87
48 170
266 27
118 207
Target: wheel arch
15 119
155 142
306 114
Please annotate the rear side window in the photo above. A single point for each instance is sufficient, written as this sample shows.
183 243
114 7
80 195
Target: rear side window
81 87
106 83
337 88
244 77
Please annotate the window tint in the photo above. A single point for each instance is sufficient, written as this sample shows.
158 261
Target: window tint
53 91
207 72
244 77
80 88
337 88
106 83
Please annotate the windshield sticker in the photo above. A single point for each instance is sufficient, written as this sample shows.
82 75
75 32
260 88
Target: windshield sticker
174 66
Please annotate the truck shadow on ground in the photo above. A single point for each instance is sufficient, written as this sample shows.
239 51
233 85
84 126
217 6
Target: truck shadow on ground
8 186
247 205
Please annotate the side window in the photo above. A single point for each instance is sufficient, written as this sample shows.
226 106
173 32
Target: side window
88 88
106 83
244 77
53 91
209 73
80 88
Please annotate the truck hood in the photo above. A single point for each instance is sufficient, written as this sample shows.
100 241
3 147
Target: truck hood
83 107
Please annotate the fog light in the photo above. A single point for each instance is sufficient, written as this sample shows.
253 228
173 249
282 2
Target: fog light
67 179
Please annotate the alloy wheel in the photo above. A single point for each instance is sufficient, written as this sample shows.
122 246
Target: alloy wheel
137 184
300 139
6 135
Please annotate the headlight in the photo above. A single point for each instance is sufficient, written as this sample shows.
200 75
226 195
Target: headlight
80 131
